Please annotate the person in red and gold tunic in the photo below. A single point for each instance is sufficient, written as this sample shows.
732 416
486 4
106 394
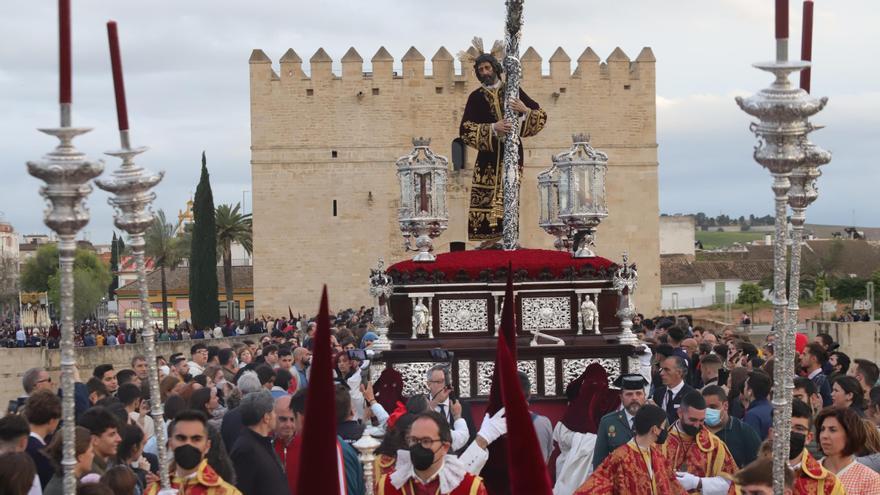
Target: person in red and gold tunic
191 473
702 462
425 468
637 467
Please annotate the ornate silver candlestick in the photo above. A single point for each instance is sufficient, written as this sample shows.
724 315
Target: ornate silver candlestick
782 110
367 445
131 199
67 173
581 196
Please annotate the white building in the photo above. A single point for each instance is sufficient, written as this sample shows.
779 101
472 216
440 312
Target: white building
688 283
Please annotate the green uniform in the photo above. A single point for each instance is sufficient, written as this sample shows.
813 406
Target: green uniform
614 431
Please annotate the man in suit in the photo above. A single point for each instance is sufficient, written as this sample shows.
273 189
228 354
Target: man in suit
454 412
668 396
616 428
811 360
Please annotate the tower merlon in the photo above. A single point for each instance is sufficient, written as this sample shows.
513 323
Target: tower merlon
531 64
291 65
382 62
560 64
413 64
352 64
321 65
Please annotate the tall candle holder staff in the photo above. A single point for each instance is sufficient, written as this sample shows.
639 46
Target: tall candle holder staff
131 199
783 111
67 173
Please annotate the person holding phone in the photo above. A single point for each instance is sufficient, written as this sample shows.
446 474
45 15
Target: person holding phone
440 400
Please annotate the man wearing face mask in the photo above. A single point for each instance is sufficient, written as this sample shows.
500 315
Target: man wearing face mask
616 428
638 467
741 439
188 441
701 460
810 477
425 467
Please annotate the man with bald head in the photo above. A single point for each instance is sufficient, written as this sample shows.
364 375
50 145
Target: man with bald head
302 359
285 428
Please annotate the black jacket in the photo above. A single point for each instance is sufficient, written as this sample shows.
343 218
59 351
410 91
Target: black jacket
672 407
43 464
257 467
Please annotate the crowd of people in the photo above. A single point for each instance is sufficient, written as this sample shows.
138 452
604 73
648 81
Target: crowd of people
95 333
697 419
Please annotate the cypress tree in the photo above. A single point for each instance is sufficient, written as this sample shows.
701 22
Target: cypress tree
114 268
203 256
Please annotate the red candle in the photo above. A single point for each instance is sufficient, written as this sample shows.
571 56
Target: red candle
64 50
807 44
118 83
781 19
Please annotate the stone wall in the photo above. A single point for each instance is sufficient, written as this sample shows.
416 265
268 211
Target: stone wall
14 362
677 235
857 339
325 192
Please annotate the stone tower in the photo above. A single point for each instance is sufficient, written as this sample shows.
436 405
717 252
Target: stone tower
323 148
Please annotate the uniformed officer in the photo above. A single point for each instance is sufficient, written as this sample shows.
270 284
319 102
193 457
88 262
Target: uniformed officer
616 428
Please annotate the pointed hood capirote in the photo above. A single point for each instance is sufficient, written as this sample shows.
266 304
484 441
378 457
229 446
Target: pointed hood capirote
508 329
320 464
526 468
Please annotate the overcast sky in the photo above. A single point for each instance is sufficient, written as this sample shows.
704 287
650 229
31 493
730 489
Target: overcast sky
187 83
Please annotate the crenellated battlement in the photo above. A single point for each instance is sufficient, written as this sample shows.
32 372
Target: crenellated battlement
617 66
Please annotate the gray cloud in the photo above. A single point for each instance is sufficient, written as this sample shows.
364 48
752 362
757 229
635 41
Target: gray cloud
187 84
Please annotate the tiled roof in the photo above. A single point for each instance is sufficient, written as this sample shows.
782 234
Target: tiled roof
178 280
676 270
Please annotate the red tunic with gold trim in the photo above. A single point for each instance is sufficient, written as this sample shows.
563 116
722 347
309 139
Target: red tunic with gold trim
811 478
626 472
384 464
470 485
705 455
205 482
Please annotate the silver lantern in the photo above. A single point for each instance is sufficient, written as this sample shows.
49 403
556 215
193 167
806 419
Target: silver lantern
422 213
548 214
582 205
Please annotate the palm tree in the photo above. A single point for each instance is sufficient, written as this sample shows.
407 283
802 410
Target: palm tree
167 251
233 226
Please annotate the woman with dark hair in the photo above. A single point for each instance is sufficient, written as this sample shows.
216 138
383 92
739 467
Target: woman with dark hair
348 374
207 401
395 439
17 473
736 383
846 392
841 435
130 451
84 456
122 480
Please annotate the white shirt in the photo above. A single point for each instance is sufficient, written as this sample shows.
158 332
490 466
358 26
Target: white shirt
675 390
814 373
38 437
195 369
460 432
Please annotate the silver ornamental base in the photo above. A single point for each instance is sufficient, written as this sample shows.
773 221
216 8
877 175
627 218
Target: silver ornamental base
131 188
67 173
367 445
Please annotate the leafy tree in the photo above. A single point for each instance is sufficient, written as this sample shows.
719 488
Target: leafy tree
848 289
750 294
9 281
91 277
36 271
167 251
232 227
203 255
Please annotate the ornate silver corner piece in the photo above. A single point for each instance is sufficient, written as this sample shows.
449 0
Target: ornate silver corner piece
67 173
625 282
571 195
381 288
422 214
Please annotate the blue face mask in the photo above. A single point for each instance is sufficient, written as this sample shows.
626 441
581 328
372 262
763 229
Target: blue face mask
713 416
